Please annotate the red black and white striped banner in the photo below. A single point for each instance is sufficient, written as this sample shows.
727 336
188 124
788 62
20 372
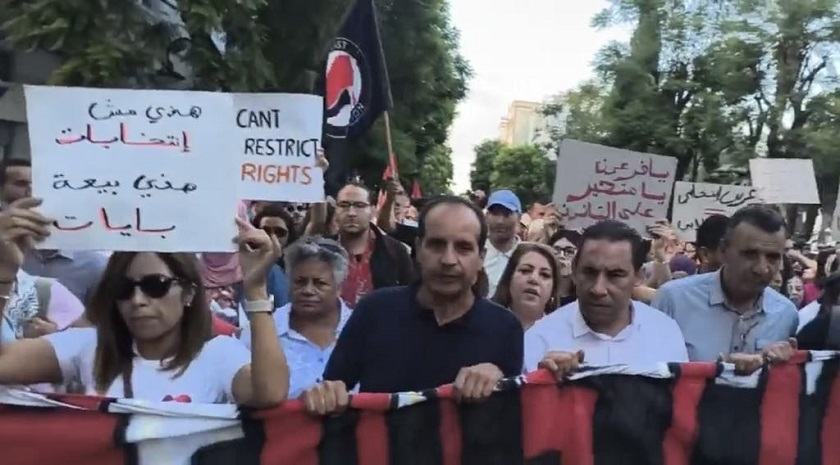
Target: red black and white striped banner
675 414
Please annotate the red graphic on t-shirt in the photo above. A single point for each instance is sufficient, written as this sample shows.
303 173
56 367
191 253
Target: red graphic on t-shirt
183 398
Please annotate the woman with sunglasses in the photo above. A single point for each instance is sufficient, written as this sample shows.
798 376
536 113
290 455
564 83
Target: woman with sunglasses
152 337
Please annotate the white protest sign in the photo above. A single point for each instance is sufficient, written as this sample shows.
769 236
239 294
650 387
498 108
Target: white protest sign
595 183
696 201
278 140
784 180
133 170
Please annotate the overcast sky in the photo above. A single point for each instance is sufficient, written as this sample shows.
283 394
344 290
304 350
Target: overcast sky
519 50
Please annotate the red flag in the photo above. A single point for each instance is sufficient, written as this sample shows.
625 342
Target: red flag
388 173
415 191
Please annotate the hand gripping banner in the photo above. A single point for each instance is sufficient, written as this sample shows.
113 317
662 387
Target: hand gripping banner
673 414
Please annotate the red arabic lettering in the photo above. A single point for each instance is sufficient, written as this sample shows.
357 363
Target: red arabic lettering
103 215
140 228
105 220
181 142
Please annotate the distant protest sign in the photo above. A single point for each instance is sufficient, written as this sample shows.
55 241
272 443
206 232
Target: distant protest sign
696 201
134 170
785 180
279 136
595 183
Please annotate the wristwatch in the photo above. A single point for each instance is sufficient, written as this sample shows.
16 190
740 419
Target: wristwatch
259 306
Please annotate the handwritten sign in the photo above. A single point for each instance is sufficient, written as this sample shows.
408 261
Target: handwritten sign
138 170
696 201
785 180
279 137
595 183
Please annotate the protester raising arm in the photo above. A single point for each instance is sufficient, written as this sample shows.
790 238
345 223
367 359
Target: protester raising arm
265 382
152 336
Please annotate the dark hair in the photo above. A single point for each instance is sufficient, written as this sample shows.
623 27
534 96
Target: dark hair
763 217
451 200
358 184
570 235
9 163
277 210
114 354
502 295
711 231
615 231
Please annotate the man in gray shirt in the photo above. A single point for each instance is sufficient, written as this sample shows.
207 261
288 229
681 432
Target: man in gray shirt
732 310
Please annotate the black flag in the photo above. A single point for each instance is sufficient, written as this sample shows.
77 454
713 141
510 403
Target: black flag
355 87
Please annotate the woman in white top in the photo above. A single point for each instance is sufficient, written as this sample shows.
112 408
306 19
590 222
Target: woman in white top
152 339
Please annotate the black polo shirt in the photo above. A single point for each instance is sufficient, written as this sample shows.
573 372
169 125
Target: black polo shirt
392 344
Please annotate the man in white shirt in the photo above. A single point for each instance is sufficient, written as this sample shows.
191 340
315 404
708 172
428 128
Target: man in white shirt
502 217
604 324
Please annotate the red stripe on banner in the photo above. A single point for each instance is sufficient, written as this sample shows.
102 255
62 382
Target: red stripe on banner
451 438
46 436
557 419
688 389
372 439
301 435
779 414
830 436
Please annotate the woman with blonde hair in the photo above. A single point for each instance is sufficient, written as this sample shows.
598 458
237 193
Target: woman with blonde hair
152 338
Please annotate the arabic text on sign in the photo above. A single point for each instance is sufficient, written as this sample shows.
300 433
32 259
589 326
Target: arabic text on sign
179 140
104 220
722 195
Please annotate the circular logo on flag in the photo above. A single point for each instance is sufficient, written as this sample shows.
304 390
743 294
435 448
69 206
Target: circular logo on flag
345 96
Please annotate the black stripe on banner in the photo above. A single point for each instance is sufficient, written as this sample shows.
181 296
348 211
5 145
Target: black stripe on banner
414 434
129 449
242 451
632 414
812 409
729 424
338 444
491 430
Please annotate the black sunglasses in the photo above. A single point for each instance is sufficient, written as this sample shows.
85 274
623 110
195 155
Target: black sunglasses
153 285
275 231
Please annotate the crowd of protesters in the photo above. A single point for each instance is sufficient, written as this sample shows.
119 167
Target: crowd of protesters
352 294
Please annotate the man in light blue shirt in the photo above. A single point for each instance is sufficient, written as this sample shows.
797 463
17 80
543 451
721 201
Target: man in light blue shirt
733 310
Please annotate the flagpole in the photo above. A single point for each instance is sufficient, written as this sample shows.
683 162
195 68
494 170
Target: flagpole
392 159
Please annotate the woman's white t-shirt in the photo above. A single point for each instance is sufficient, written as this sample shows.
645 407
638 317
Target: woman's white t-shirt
208 379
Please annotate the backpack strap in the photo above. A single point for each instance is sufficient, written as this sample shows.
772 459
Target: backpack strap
43 287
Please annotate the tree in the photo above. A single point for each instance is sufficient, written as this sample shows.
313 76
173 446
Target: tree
253 46
482 166
522 170
436 172
576 114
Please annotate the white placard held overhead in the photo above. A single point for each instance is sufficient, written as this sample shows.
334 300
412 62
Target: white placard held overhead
785 180
696 201
595 183
133 170
278 140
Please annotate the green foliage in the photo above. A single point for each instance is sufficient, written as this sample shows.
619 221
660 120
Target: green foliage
482 166
436 172
522 170
272 46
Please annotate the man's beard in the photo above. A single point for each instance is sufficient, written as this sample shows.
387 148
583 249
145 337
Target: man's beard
353 234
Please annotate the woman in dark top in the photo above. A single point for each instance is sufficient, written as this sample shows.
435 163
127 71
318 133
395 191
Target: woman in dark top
823 332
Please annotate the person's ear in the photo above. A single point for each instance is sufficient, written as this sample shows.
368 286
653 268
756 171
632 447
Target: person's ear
188 295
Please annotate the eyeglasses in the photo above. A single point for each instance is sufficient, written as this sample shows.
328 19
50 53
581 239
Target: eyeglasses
276 231
349 205
294 208
153 285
